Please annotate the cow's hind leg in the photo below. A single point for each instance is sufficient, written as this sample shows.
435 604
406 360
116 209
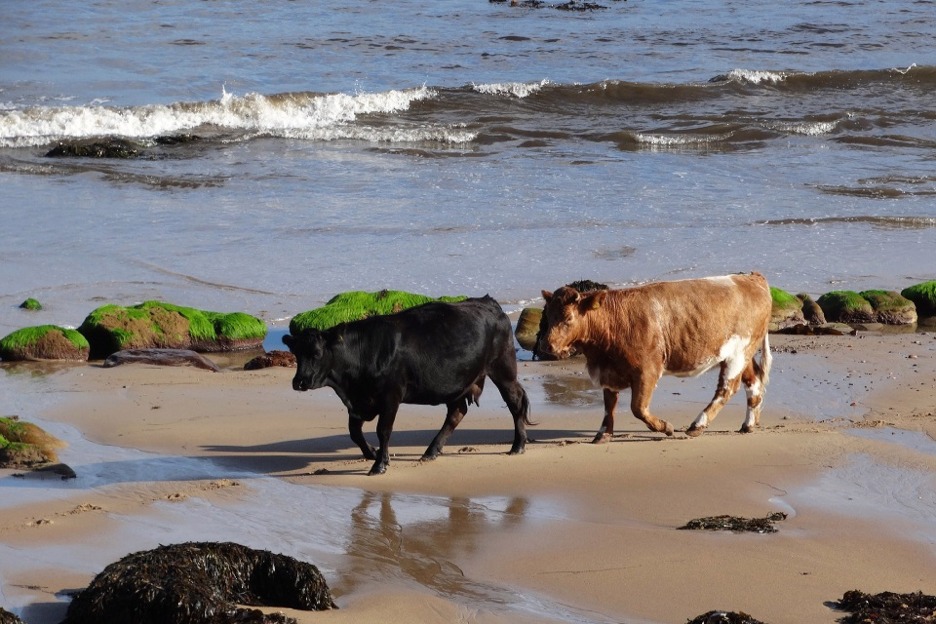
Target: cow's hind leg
754 387
519 405
729 380
456 411
356 429
384 429
641 393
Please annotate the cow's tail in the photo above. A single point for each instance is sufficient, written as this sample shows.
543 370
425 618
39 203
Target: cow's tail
766 360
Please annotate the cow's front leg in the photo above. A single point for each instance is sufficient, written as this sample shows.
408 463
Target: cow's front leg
384 429
356 429
606 432
641 393
456 411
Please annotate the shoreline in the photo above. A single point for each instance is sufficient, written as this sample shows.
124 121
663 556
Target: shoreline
569 531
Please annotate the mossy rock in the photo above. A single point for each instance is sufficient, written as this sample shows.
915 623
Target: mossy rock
923 296
23 444
156 324
890 307
31 304
528 326
846 306
356 305
812 312
786 311
44 342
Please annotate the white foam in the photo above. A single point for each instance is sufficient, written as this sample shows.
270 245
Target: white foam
515 89
301 115
757 76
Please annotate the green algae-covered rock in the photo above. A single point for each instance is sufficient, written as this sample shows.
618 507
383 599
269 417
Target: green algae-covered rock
891 308
846 306
923 296
44 342
156 324
31 304
356 305
24 444
786 311
528 326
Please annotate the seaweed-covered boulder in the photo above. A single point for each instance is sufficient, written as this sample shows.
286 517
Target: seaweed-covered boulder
846 306
272 358
8 618
787 310
356 305
199 582
890 307
812 312
155 324
44 342
25 445
528 326
31 304
924 298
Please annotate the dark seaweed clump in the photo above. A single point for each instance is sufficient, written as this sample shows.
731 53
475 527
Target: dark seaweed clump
200 582
736 524
888 608
8 618
724 617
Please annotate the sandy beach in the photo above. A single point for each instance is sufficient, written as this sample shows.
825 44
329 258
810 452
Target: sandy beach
567 532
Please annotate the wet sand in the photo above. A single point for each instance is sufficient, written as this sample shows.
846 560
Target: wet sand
567 532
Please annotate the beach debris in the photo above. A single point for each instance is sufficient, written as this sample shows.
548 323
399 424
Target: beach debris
275 357
200 582
887 608
161 357
156 324
25 445
724 617
44 342
8 618
736 524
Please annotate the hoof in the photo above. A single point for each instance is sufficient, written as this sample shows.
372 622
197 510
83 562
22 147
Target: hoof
517 451
668 429
377 469
427 458
695 432
602 437
746 429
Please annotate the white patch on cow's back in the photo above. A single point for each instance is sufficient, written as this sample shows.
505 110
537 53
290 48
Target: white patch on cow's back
722 280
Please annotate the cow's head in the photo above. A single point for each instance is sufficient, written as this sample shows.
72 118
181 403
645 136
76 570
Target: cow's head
564 319
311 368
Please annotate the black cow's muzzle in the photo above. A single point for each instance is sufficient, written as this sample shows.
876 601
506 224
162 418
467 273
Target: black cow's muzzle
300 385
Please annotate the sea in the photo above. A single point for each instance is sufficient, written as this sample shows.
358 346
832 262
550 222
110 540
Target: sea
288 151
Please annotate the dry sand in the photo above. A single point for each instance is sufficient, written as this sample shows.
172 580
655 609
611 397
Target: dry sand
567 532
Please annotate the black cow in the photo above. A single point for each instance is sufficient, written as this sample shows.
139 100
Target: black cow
427 355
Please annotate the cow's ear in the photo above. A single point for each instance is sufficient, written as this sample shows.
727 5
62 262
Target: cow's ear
547 295
288 340
593 301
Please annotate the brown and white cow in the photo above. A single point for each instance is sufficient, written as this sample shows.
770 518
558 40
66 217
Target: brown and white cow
632 337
